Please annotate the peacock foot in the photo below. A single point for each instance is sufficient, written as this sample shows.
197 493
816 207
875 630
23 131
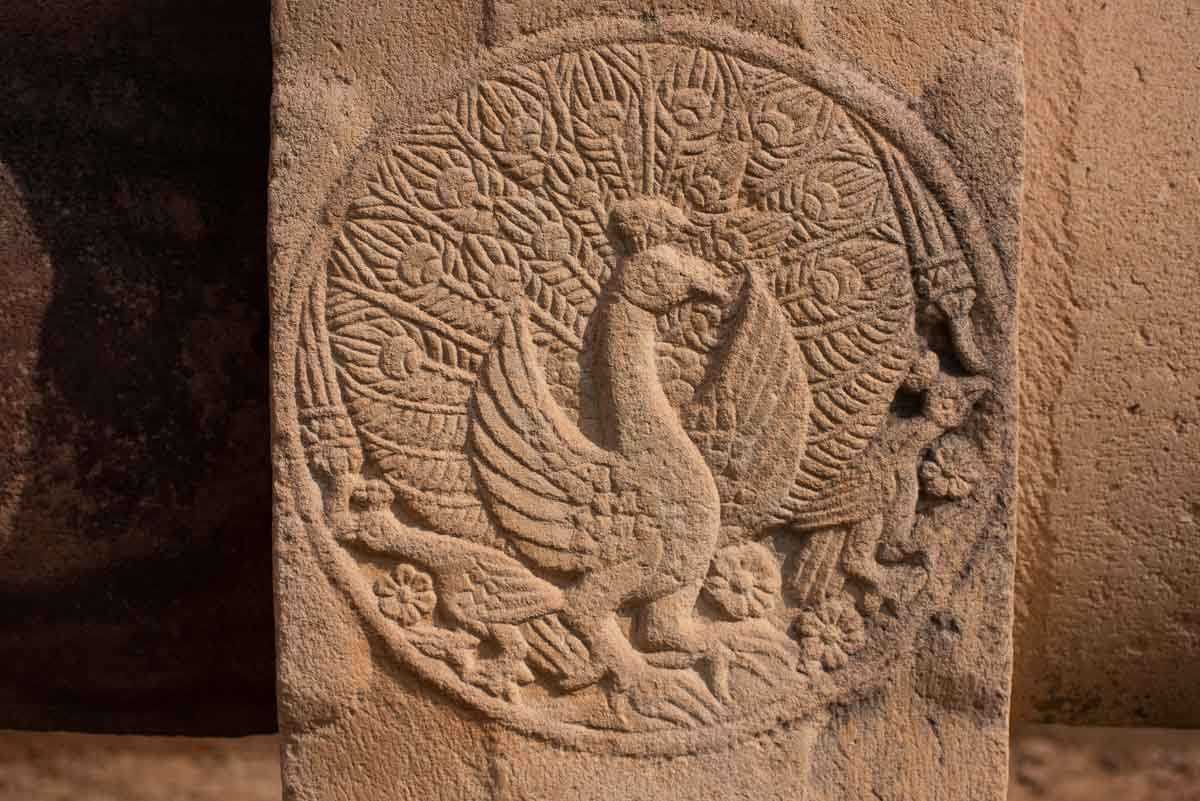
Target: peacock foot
502 676
678 697
717 648
755 646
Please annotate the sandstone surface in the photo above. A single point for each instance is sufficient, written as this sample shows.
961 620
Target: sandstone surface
1049 763
1107 625
643 391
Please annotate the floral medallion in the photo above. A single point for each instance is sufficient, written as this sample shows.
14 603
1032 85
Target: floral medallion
626 385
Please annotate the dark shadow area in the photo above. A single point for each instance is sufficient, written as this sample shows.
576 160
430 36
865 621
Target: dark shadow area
135 543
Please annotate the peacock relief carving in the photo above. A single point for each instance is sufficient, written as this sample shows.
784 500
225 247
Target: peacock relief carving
626 384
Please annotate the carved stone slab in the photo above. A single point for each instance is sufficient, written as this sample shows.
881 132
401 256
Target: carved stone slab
643 392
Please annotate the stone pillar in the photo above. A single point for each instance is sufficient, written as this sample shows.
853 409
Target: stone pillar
643 391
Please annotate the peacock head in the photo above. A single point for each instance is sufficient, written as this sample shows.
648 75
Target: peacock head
653 271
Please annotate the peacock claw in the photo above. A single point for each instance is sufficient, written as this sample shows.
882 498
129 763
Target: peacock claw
754 646
500 676
678 697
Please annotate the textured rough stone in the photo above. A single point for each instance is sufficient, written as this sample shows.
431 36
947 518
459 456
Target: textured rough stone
643 386
1108 591
1049 763
134 489
1054 763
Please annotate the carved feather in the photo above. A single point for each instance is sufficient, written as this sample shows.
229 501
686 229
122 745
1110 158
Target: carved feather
750 414
853 318
544 482
495 589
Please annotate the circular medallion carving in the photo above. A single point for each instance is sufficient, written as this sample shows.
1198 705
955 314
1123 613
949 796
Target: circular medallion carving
625 384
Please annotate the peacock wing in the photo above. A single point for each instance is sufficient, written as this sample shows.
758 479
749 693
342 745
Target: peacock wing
493 588
749 416
549 489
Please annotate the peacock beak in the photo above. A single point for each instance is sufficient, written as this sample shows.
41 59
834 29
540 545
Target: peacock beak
709 283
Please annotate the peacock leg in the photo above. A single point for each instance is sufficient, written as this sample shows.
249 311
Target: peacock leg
503 672
611 652
590 612
816 574
677 697
860 561
669 624
756 646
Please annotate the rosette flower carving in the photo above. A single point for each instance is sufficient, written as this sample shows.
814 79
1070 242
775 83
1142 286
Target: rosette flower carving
829 635
952 469
744 581
406 595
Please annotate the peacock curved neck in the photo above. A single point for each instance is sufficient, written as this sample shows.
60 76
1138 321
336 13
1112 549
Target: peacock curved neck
633 408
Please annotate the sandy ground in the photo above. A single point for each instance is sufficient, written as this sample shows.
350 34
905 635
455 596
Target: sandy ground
1049 764
1064 764
76 767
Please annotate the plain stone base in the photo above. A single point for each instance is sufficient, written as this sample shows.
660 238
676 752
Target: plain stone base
1049 764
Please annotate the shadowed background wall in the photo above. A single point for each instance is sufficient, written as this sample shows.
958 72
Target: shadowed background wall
135 549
